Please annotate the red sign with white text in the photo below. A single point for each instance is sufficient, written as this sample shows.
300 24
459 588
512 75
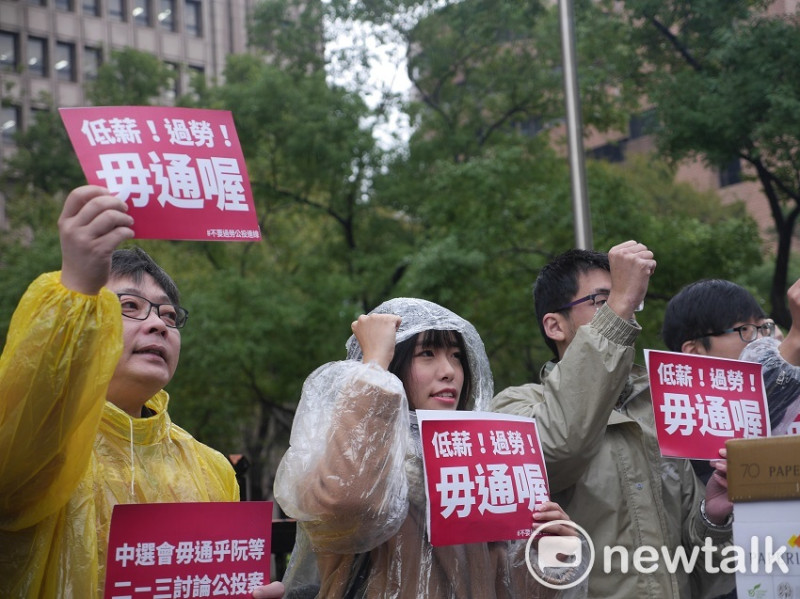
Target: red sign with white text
181 170
188 550
699 402
484 474
794 427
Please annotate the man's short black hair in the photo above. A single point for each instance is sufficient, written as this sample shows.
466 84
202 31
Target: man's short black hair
707 306
557 283
135 263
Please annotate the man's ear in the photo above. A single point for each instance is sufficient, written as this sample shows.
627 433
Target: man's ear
554 326
693 346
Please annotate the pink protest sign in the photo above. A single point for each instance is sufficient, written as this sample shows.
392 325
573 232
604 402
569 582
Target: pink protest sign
699 402
181 170
484 474
794 426
187 550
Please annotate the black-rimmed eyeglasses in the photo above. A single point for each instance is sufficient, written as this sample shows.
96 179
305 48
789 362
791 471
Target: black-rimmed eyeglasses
138 308
748 332
597 299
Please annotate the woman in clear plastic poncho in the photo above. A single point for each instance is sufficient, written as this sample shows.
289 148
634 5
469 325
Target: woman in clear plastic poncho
353 476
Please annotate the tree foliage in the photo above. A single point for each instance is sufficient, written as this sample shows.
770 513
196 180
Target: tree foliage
487 226
465 215
129 77
283 306
724 76
44 158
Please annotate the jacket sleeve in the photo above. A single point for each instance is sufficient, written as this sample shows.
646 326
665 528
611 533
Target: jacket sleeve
575 399
61 351
695 531
343 476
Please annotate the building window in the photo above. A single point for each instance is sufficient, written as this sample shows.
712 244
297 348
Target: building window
65 61
529 127
117 10
65 5
612 152
141 12
196 72
166 16
193 76
643 124
91 8
35 112
193 18
172 85
92 59
37 56
731 173
8 51
9 122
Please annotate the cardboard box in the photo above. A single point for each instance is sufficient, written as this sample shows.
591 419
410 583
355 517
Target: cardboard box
763 469
764 484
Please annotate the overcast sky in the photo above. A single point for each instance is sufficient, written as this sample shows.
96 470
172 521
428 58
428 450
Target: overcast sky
387 72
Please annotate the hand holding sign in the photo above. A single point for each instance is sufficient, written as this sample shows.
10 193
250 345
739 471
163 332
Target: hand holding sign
273 590
699 402
180 170
484 475
188 550
550 511
91 226
717 506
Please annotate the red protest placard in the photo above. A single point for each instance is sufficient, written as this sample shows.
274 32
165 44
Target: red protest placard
484 474
699 402
181 170
188 550
794 427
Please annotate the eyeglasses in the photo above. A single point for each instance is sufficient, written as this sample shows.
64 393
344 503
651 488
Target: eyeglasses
749 332
597 299
138 308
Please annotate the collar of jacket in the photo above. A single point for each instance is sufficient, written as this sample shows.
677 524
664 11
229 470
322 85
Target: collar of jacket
146 431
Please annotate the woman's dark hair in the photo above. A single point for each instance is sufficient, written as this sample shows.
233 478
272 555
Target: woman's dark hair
404 352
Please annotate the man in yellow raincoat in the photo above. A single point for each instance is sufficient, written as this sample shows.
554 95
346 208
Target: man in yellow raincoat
83 414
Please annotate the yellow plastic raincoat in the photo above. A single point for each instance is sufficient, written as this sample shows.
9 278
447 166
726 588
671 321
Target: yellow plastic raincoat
67 456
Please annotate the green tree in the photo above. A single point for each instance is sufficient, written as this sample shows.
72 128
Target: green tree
466 215
28 247
290 34
283 306
485 227
481 183
129 77
724 76
44 158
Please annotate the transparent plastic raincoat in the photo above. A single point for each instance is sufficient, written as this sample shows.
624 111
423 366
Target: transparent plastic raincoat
67 456
353 479
781 382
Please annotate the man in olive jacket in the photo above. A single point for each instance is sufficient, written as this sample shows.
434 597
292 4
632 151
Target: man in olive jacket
595 420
